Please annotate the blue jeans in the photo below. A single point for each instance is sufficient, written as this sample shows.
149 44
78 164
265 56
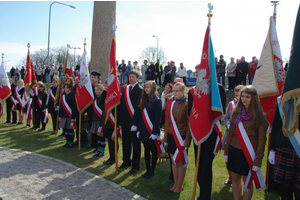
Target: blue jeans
219 75
251 80
122 78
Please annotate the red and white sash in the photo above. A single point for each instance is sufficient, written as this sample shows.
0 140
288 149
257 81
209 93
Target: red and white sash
66 106
52 96
40 102
98 110
13 101
231 106
18 98
46 118
112 122
217 128
29 111
180 151
34 92
250 156
128 101
158 143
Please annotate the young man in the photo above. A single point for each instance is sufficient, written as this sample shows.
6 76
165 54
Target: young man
129 102
10 102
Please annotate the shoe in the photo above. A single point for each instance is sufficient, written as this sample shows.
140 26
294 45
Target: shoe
172 192
144 175
95 151
14 123
63 134
37 129
149 175
99 154
109 162
75 143
68 146
132 171
83 144
19 123
65 146
7 122
228 181
32 127
42 129
123 165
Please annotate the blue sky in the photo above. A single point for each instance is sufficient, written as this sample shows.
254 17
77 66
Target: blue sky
239 28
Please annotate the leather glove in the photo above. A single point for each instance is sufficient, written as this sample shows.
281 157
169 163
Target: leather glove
271 157
226 158
255 168
138 134
133 128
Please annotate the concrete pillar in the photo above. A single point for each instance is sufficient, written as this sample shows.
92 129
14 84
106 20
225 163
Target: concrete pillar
104 18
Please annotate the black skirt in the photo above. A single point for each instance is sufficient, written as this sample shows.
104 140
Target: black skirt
237 162
172 144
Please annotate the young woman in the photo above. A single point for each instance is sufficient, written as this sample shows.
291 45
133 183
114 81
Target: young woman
227 120
177 134
166 94
19 95
51 100
39 102
248 126
67 114
148 131
98 117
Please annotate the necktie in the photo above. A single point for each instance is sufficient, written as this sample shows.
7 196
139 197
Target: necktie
130 88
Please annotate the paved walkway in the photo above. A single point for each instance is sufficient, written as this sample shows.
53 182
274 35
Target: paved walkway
25 175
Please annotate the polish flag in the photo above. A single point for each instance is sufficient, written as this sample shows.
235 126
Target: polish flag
5 90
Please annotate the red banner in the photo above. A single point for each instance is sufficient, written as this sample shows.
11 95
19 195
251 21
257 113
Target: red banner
30 78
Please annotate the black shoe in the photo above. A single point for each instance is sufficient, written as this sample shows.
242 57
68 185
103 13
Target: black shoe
83 144
7 122
65 146
123 165
109 162
106 161
63 134
99 154
144 175
75 143
132 171
149 175
42 129
14 123
19 123
32 127
95 151
69 146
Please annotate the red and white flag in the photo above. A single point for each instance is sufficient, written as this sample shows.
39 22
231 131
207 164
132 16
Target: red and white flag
67 65
5 90
269 76
30 78
84 92
113 93
207 108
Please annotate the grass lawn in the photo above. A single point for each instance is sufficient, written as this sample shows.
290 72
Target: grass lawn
17 137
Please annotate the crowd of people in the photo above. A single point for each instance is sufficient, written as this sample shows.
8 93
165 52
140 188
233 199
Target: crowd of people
142 115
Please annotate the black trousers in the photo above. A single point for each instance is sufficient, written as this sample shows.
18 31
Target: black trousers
9 112
111 143
205 167
129 139
150 147
287 192
83 135
54 119
167 80
242 80
158 76
38 118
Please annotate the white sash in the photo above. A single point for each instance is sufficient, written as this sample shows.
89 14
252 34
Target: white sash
66 106
128 102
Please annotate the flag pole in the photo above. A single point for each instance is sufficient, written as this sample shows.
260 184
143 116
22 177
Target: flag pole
209 15
2 121
116 142
33 113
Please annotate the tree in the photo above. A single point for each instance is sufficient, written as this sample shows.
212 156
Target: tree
150 54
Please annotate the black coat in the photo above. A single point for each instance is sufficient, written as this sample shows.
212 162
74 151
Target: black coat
154 113
50 104
70 99
124 118
242 69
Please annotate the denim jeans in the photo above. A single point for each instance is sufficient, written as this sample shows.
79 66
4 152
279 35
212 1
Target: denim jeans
219 75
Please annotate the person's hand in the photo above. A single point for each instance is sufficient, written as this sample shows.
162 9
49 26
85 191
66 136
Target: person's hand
255 168
165 144
226 158
133 128
271 157
153 137
138 134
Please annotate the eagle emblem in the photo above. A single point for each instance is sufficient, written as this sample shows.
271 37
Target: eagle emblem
3 81
111 76
202 84
83 79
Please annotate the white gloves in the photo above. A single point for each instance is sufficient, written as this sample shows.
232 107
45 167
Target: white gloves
255 168
226 158
57 108
269 129
133 128
228 126
165 144
137 134
153 137
271 157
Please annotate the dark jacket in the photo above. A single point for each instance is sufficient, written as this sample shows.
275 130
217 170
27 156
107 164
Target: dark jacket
70 99
154 112
124 118
150 70
242 69
50 104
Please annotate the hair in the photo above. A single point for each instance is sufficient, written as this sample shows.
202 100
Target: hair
21 81
181 86
170 86
100 86
238 88
71 79
255 109
178 80
68 85
146 99
66 75
135 72
40 94
55 77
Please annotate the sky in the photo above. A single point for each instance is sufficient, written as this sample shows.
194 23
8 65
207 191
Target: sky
238 28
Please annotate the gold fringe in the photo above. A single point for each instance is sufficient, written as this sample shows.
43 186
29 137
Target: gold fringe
292 94
110 109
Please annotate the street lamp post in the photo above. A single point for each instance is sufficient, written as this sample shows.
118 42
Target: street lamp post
157 46
49 24
75 54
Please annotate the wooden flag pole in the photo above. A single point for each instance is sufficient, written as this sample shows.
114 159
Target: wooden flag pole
116 142
79 133
196 170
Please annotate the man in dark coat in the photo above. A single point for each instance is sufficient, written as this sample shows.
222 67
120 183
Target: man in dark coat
242 71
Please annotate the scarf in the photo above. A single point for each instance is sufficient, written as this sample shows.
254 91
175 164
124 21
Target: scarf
242 116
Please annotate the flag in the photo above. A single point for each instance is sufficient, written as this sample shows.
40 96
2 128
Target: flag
207 108
291 92
84 92
30 78
113 93
5 90
269 76
67 69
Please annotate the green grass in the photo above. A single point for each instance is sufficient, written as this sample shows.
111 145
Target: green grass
17 137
